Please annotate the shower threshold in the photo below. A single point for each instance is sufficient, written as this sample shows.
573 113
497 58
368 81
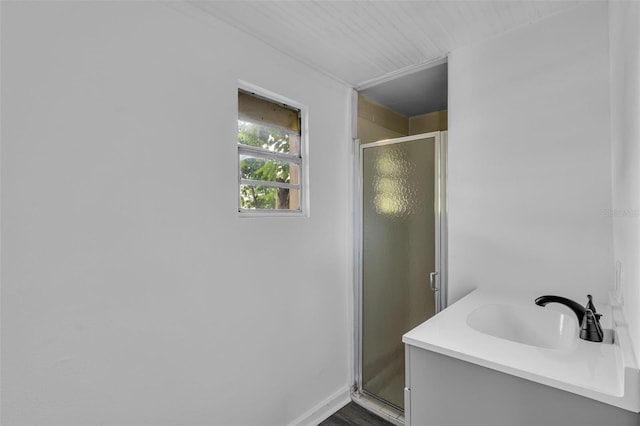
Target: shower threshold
378 408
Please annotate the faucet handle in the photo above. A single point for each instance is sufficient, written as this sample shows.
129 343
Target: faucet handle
590 304
590 328
591 307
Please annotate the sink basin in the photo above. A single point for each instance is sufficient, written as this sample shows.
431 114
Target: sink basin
534 326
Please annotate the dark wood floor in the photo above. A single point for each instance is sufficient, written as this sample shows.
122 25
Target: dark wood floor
353 414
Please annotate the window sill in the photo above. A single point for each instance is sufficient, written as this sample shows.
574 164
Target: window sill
270 213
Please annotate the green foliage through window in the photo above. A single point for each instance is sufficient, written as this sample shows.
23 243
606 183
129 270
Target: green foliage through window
255 167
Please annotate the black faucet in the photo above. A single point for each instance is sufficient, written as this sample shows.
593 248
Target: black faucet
588 318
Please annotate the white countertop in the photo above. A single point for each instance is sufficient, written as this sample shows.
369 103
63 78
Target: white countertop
602 371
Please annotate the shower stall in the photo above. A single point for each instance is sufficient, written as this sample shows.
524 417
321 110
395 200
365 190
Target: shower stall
401 246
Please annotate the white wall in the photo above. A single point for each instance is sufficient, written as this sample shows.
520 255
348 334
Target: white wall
131 291
625 139
529 160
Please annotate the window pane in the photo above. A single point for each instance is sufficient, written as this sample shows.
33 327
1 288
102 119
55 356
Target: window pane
270 163
270 138
269 197
257 168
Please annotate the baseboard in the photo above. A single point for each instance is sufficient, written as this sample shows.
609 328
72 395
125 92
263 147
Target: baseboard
324 409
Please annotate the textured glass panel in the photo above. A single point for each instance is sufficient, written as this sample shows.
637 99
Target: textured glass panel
398 255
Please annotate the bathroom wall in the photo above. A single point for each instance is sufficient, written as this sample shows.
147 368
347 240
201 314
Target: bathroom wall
377 122
131 291
625 142
530 160
429 122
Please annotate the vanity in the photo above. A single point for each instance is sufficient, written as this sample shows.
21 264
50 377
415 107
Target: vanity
500 360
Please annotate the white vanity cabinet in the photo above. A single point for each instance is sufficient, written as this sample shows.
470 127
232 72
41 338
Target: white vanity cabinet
445 391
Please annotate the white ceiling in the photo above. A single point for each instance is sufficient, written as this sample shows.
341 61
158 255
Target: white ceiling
364 42
413 94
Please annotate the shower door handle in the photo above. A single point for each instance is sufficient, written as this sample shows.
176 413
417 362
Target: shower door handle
432 281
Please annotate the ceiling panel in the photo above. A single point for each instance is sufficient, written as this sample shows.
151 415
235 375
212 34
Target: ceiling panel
362 41
413 94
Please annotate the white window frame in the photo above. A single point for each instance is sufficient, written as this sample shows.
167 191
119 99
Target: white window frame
300 159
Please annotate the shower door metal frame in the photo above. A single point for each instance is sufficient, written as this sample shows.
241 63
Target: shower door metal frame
440 210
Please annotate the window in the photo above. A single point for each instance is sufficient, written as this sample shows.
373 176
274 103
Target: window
270 163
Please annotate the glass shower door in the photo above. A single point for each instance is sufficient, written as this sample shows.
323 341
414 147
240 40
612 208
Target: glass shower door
399 249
